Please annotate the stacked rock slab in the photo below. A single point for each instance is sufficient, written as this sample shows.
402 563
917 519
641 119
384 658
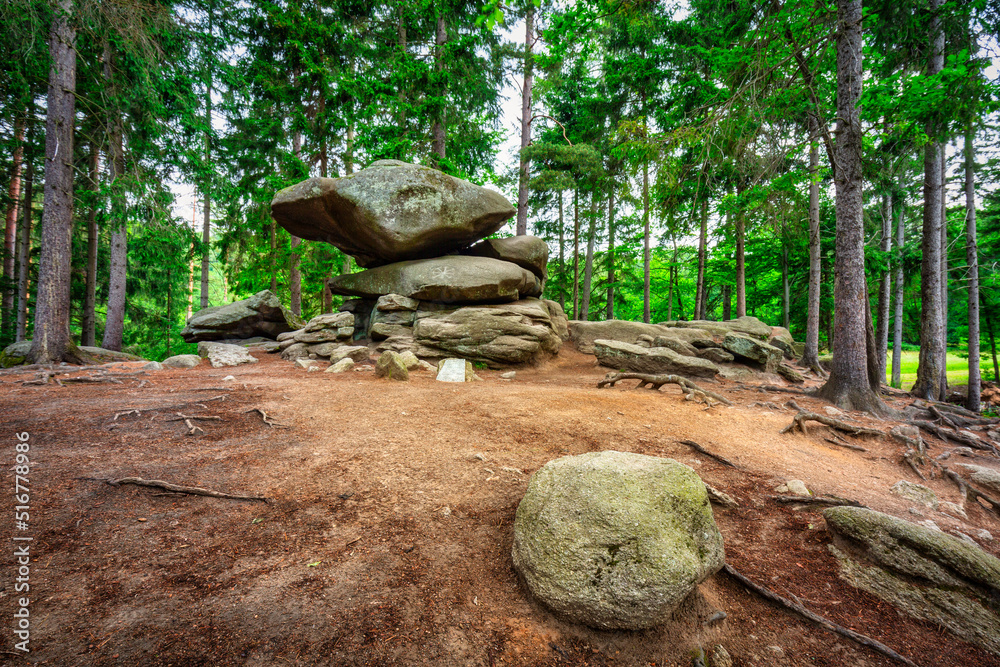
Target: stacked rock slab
429 287
322 337
699 348
260 315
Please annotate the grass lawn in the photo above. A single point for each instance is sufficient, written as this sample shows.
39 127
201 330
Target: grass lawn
958 369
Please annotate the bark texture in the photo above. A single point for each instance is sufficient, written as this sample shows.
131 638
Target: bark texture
50 342
10 226
810 358
24 246
897 325
850 385
972 401
114 323
438 129
928 384
88 324
884 287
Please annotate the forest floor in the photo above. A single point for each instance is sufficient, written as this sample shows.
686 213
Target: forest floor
387 537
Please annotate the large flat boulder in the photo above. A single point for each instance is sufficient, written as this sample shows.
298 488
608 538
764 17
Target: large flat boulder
583 334
925 573
221 355
498 335
625 357
528 252
615 540
747 325
391 212
260 315
453 279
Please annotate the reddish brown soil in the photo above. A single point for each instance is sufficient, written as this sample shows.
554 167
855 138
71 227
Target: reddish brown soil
387 538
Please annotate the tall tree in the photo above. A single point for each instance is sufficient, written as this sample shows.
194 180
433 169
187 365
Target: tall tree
849 385
526 89
928 384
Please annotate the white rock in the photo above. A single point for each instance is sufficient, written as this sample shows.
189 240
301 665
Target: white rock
152 366
797 487
509 375
832 411
182 361
953 509
918 493
305 363
222 354
229 378
452 370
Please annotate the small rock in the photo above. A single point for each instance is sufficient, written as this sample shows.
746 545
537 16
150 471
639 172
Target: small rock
305 363
313 369
983 534
356 353
221 354
427 366
776 650
716 617
391 365
832 411
182 361
965 537
509 375
229 378
927 523
797 487
783 488
409 360
720 657
918 493
344 364
953 509
455 370
152 366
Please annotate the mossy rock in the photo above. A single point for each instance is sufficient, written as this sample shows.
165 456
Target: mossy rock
615 540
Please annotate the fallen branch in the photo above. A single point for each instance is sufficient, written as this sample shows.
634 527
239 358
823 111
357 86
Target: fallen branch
180 416
174 488
720 497
781 390
698 448
816 618
174 406
691 390
93 379
263 415
833 501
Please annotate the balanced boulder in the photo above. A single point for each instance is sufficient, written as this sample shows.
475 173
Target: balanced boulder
528 252
753 349
450 279
615 540
390 212
924 572
260 315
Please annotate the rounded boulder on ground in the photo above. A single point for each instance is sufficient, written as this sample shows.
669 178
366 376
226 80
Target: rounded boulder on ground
615 540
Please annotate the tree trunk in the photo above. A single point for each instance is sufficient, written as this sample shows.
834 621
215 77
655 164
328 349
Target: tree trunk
741 267
988 317
645 243
10 228
727 302
51 343
850 385
114 321
884 287
670 282
24 247
274 256
786 294
699 295
588 266
972 401
928 385
206 243
944 277
88 325
576 254
611 253
562 249
529 75
194 225
438 128
897 334
401 43
810 358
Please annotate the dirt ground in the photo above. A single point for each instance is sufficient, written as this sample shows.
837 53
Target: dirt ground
387 536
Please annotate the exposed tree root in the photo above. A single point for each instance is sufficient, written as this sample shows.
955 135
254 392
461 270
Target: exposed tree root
970 492
816 618
953 436
833 501
174 488
197 403
765 388
692 391
798 422
846 445
263 415
698 448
